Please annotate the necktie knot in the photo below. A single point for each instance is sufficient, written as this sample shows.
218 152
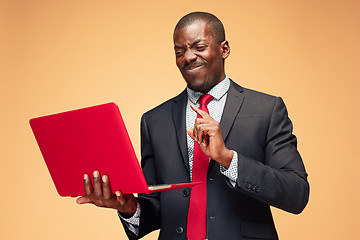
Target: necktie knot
205 99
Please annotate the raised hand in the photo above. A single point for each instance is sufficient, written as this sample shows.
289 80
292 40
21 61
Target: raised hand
207 133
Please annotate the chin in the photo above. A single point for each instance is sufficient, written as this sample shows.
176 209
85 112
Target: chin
198 83
203 87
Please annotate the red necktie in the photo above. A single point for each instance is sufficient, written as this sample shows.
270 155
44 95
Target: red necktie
196 225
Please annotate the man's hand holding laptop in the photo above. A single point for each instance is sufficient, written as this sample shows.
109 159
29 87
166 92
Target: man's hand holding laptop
101 195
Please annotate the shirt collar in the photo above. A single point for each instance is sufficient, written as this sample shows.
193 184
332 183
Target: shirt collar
218 91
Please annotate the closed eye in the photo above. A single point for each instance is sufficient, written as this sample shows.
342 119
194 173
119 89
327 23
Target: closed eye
179 51
201 48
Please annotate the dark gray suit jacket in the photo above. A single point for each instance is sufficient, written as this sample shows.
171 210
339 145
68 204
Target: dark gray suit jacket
270 170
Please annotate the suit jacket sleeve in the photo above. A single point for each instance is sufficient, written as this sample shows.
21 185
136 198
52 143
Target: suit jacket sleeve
280 179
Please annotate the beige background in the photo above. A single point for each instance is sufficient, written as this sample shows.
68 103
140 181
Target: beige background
61 55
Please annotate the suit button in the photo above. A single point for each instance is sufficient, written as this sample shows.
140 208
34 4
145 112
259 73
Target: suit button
179 230
247 185
185 192
257 189
253 188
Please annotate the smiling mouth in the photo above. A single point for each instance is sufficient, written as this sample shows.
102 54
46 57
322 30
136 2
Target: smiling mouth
194 67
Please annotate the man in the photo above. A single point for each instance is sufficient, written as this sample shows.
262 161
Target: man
251 158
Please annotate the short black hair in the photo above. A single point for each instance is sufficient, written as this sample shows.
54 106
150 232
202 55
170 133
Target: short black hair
216 25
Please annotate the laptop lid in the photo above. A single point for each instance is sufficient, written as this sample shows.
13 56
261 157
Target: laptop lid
80 141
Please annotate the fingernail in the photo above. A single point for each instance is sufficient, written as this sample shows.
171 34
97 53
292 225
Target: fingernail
104 178
118 193
96 174
86 177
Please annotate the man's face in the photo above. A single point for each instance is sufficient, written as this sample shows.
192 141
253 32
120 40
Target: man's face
199 57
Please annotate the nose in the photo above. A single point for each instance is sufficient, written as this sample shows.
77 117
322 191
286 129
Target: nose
189 55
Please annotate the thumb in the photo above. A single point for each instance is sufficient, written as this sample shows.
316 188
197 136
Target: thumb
83 199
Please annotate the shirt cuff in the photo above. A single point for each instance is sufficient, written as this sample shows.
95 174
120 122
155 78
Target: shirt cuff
232 171
133 222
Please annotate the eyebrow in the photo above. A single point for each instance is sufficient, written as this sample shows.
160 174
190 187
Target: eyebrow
191 45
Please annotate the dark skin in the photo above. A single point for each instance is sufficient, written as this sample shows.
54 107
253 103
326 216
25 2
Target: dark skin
101 195
200 60
207 133
199 56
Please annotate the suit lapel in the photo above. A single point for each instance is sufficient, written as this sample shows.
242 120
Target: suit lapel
233 103
179 118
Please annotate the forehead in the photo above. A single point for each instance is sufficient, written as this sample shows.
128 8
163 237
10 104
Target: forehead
198 30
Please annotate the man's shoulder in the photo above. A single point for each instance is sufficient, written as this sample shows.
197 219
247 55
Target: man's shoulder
254 102
251 93
167 106
257 94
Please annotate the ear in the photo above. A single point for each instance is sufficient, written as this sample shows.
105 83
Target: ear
225 49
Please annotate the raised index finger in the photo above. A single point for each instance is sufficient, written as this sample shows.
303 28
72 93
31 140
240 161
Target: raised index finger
202 113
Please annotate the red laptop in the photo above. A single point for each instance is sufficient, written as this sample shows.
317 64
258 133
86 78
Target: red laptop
84 140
